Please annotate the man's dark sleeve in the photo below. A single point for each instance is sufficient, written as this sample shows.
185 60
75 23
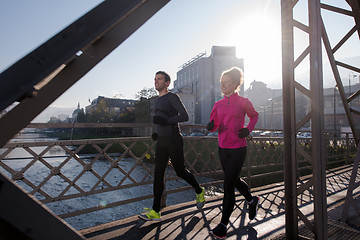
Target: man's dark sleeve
176 102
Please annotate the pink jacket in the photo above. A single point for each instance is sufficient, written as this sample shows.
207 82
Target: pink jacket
229 116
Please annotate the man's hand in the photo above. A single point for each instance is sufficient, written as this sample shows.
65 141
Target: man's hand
210 125
244 132
160 120
154 136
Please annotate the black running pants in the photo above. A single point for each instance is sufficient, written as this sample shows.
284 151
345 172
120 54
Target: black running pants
170 147
232 161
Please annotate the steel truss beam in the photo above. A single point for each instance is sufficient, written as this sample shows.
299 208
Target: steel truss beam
42 76
23 212
355 6
39 78
316 31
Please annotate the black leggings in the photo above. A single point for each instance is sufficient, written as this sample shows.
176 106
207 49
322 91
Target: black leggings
170 146
232 161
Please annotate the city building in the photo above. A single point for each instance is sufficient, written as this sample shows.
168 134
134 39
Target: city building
114 104
198 84
335 116
76 111
269 103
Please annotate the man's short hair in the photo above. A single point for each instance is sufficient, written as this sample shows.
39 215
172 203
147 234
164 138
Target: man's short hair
167 76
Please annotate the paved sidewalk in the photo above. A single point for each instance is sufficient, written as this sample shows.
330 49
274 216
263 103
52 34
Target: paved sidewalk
184 221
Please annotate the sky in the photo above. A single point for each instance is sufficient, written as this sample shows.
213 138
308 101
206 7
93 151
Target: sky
174 35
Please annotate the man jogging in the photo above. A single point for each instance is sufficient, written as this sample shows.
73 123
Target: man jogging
169 111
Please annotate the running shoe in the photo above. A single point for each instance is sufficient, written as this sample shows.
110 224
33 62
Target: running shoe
200 199
150 215
219 232
253 206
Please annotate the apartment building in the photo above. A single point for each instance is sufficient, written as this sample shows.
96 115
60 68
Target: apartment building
198 81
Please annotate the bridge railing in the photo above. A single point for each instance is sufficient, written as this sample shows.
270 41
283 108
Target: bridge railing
76 177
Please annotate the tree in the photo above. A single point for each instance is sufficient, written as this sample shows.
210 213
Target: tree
142 111
142 107
54 120
102 113
146 93
126 117
81 117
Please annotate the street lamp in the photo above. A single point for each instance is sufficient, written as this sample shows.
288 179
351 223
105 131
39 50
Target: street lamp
264 115
272 113
353 76
335 89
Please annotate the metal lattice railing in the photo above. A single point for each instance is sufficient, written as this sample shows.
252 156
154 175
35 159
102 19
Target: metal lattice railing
65 171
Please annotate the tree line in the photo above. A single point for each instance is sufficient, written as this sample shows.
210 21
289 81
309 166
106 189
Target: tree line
103 113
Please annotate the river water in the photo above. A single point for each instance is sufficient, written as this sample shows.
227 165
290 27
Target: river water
19 158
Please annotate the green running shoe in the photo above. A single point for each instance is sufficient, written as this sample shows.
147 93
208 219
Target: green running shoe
200 199
150 215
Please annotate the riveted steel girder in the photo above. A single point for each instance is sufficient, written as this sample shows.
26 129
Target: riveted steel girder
43 75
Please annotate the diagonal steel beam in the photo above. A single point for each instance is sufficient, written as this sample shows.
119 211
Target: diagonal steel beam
19 79
22 214
119 19
339 83
355 5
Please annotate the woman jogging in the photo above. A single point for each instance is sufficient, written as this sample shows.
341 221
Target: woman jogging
228 116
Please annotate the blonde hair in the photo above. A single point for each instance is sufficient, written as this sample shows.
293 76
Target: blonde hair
236 74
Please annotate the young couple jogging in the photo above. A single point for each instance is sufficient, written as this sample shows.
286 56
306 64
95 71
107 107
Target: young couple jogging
228 117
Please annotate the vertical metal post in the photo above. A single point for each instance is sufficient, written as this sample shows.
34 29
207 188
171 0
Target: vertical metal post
349 91
289 119
334 135
317 118
347 149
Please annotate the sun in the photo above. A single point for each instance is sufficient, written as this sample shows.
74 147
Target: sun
258 42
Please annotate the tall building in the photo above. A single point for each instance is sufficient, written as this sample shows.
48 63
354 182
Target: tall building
198 81
268 103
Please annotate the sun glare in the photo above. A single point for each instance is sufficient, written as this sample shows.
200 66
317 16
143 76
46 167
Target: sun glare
258 41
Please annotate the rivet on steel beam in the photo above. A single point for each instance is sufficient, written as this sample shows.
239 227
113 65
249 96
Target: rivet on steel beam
55 170
88 167
18 176
114 164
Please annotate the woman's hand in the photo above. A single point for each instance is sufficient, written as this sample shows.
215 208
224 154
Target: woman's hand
244 132
210 125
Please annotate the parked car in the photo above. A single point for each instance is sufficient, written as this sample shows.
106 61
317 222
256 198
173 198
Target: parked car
304 135
266 134
255 133
278 134
212 134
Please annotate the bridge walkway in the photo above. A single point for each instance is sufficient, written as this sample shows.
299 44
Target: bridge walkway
184 221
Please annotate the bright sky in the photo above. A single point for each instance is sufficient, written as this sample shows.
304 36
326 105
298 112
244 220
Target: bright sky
177 33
